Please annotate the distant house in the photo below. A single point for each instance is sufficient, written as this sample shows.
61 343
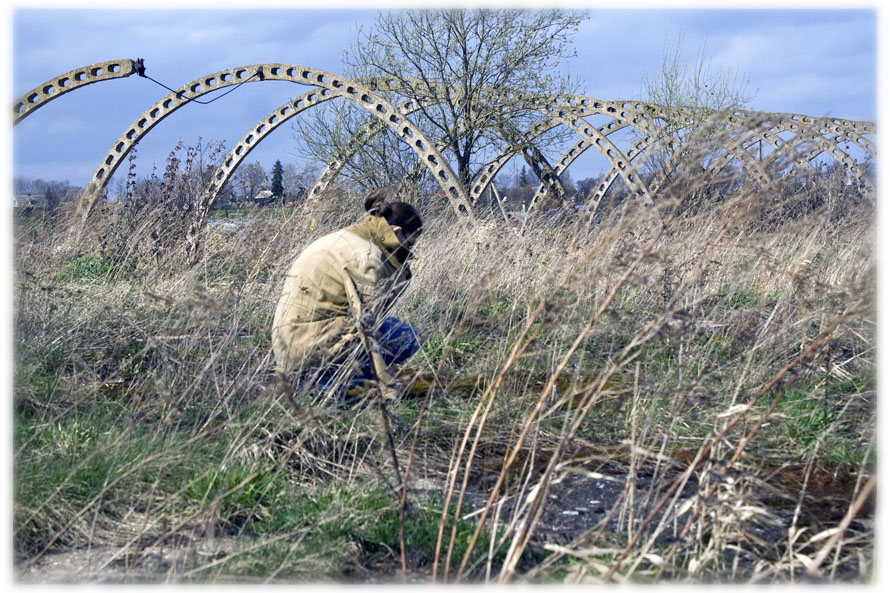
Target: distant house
28 201
264 197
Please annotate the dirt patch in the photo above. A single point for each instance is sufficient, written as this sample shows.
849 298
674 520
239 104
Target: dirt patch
115 564
579 505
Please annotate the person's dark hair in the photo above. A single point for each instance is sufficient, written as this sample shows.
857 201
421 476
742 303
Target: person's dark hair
396 213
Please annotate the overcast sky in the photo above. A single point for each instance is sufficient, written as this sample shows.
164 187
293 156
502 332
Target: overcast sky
817 62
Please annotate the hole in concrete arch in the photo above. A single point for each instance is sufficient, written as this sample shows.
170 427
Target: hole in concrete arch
49 89
120 147
33 98
407 131
196 87
291 72
142 122
381 108
395 119
419 144
325 92
210 81
167 103
260 128
79 76
19 107
225 76
114 67
433 160
63 82
239 150
100 173
241 74
109 159
275 70
154 112
307 74
229 162
366 99
442 175
96 71
249 139
131 133
272 120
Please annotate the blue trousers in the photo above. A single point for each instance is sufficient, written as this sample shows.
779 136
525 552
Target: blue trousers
398 342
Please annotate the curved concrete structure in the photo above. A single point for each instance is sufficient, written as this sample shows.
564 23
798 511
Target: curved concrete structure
337 85
72 80
811 136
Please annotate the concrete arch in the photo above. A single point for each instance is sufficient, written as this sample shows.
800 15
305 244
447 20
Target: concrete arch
556 110
815 131
580 147
739 150
73 79
341 86
643 116
355 142
265 127
637 113
562 109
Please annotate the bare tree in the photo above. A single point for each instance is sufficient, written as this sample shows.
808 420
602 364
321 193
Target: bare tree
248 180
693 99
470 72
296 182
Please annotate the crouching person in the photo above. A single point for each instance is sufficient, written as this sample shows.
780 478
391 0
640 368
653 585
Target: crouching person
330 327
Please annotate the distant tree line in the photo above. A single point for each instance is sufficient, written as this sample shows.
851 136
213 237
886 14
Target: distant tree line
52 193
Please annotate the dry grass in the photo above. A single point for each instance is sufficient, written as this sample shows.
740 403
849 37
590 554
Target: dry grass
711 358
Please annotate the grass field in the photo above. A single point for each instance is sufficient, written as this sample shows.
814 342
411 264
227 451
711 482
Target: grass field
712 356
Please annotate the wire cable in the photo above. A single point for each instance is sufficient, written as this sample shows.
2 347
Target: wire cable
139 66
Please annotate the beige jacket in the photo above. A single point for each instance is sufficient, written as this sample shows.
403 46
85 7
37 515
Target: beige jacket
356 271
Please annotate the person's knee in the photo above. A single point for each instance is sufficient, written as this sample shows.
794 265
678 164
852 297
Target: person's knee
398 339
